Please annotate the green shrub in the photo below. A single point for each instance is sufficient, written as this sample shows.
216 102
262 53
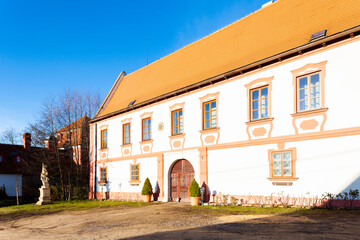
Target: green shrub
147 188
80 192
194 190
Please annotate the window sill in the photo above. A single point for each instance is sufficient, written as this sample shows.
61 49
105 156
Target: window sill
135 183
283 179
310 112
103 149
146 141
209 130
260 121
177 135
126 145
102 183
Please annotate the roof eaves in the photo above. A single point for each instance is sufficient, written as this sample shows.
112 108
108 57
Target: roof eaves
111 93
310 46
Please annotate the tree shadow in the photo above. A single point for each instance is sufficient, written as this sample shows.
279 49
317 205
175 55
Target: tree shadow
23 215
295 225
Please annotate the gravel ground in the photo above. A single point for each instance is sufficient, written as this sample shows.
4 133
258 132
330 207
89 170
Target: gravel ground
175 221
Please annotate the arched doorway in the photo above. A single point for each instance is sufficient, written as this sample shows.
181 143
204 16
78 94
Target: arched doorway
182 173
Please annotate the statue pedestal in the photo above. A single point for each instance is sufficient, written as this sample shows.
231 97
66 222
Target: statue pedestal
44 196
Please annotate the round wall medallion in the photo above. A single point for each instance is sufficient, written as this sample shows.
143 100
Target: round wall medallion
161 126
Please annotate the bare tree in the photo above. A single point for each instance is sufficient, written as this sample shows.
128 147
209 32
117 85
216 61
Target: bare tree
46 123
67 114
11 136
74 109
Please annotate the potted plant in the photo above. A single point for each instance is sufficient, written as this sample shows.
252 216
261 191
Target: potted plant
194 193
147 190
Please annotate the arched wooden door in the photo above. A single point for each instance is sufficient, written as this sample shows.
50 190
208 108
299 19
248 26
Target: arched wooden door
182 174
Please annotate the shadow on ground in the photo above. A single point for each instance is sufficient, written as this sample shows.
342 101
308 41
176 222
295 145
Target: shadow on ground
325 225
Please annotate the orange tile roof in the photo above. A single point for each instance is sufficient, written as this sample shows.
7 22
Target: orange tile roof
281 26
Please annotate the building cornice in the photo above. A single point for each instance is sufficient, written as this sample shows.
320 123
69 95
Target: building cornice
291 53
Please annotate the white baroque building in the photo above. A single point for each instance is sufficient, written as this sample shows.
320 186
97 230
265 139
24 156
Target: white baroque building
265 105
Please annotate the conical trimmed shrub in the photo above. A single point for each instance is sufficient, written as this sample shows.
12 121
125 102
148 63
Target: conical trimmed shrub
194 189
147 188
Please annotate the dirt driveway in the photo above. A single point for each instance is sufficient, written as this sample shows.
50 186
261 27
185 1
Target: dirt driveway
176 221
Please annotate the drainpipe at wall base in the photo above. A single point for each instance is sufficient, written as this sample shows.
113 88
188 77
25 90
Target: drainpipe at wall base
95 164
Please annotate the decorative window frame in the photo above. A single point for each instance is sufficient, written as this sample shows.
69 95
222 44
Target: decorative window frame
131 179
253 85
106 174
104 128
205 99
125 122
144 116
306 70
293 165
103 146
174 108
177 141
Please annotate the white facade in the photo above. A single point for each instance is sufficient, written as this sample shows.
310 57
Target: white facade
234 158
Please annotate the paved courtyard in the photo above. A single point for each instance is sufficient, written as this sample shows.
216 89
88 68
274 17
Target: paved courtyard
177 221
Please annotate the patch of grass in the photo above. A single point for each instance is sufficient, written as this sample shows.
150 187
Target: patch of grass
328 213
311 213
33 209
240 210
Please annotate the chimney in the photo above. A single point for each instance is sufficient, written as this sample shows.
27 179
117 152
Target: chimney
51 143
26 141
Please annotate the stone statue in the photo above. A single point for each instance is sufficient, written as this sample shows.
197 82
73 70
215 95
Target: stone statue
45 188
44 176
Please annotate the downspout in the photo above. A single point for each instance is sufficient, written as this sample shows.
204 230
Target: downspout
95 165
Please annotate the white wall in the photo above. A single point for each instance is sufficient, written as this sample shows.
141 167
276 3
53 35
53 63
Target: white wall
119 174
330 164
341 95
326 165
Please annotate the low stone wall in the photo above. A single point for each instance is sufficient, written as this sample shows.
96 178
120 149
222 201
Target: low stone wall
283 200
119 196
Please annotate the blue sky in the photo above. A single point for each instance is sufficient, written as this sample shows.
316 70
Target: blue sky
49 46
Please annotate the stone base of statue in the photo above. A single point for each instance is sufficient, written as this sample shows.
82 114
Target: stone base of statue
44 196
